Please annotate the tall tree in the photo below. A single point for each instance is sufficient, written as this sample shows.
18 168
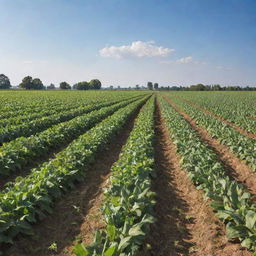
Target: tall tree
156 86
82 86
150 85
51 87
37 84
95 84
65 86
4 82
27 83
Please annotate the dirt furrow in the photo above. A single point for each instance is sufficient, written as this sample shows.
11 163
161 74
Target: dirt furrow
208 112
185 225
77 215
236 168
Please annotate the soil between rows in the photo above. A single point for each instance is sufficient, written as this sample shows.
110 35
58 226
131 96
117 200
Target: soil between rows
77 215
185 224
235 168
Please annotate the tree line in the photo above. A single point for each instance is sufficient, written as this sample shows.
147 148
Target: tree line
200 87
30 83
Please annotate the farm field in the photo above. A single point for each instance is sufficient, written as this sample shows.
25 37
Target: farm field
127 173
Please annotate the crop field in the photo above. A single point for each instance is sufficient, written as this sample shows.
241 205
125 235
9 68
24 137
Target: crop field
127 173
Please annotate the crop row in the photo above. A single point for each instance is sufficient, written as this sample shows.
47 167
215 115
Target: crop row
30 115
228 198
240 145
19 103
26 129
24 150
236 108
31 197
23 103
128 204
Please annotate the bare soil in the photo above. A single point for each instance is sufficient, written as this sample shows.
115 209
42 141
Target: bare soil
185 225
77 215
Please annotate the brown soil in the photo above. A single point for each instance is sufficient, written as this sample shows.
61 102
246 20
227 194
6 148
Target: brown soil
234 126
77 215
185 225
236 168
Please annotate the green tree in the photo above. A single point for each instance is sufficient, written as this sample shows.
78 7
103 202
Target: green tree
4 82
198 87
37 84
95 84
27 83
65 86
156 86
150 85
82 86
51 87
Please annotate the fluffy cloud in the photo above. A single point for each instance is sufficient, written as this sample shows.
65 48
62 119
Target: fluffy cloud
185 60
136 49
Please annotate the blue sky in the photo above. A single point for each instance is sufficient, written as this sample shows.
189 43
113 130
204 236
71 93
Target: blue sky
128 42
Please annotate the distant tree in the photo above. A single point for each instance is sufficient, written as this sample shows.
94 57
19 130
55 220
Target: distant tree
150 85
81 86
216 87
37 84
95 84
51 87
4 82
137 86
27 83
156 86
198 87
65 86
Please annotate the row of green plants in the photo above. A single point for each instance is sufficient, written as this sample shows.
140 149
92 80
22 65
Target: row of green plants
242 146
31 114
12 132
232 203
234 107
34 114
129 201
25 103
29 199
22 151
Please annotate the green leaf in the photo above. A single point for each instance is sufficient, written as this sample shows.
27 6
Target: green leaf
80 250
111 230
250 219
110 251
136 230
233 231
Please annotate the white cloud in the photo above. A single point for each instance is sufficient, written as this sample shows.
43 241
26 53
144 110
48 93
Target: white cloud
136 49
185 60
